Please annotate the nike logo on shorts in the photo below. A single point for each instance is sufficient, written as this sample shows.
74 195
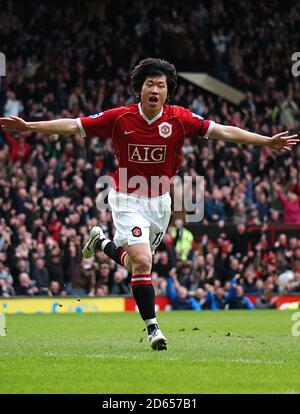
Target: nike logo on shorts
128 132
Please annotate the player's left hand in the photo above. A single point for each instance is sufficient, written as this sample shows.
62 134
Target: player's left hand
282 141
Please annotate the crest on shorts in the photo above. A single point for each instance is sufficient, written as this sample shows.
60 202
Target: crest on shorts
165 129
136 231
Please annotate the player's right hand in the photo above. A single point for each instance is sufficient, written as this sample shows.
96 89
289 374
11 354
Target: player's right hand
14 123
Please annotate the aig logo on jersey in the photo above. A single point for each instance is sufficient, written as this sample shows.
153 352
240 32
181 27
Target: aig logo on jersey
165 129
146 154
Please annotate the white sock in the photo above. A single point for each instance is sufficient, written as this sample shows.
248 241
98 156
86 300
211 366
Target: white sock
105 243
149 322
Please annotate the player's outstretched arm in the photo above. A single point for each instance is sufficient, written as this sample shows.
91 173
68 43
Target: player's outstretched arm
62 126
241 136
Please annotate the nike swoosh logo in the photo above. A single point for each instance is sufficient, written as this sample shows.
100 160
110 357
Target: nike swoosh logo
128 132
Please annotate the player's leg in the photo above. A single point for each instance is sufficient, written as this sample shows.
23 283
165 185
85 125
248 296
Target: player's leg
136 256
140 257
159 218
132 225
98 241
157 214
118 254
112 248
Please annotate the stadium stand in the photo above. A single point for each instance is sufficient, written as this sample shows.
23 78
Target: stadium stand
74 60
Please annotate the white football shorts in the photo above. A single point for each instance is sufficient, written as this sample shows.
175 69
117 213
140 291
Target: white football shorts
139 219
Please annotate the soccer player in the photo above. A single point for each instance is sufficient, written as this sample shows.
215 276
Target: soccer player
148 138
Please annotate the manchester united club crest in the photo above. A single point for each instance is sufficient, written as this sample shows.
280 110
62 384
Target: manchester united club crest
136 231
165 129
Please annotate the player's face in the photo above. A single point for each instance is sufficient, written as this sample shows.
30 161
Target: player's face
154 94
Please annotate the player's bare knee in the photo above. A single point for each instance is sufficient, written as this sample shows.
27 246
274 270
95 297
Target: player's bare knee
141 263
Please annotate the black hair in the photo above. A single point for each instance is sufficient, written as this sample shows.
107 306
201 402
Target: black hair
152 67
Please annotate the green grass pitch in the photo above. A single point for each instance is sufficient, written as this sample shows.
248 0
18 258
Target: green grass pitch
208 352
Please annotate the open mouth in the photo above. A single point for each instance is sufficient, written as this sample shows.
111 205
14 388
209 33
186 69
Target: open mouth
153 99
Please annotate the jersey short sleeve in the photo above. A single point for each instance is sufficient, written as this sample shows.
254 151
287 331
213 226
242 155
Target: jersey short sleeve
194 124
100 124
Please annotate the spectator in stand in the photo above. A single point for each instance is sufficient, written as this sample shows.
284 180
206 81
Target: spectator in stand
235 297
267 300
119 285
26 286
183 239
249 281
284 280
6 289
54 262
206 298
12 106
240 240
291 205
78 190
234 267
185 274
87 280
55 289
179 295
41 276
48 188
220 297
20 266
254 217
4 162
162 264
295 260
293 184
293 286
37 159
281 245
289 113
5 274
214 207
159 284
6 279
260 286
102 290
167 245
19 148
103 275
263 207
240 214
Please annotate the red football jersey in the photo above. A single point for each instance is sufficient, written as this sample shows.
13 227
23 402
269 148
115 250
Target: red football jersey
145 148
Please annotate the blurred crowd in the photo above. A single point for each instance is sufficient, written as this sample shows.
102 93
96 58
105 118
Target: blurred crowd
75 60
